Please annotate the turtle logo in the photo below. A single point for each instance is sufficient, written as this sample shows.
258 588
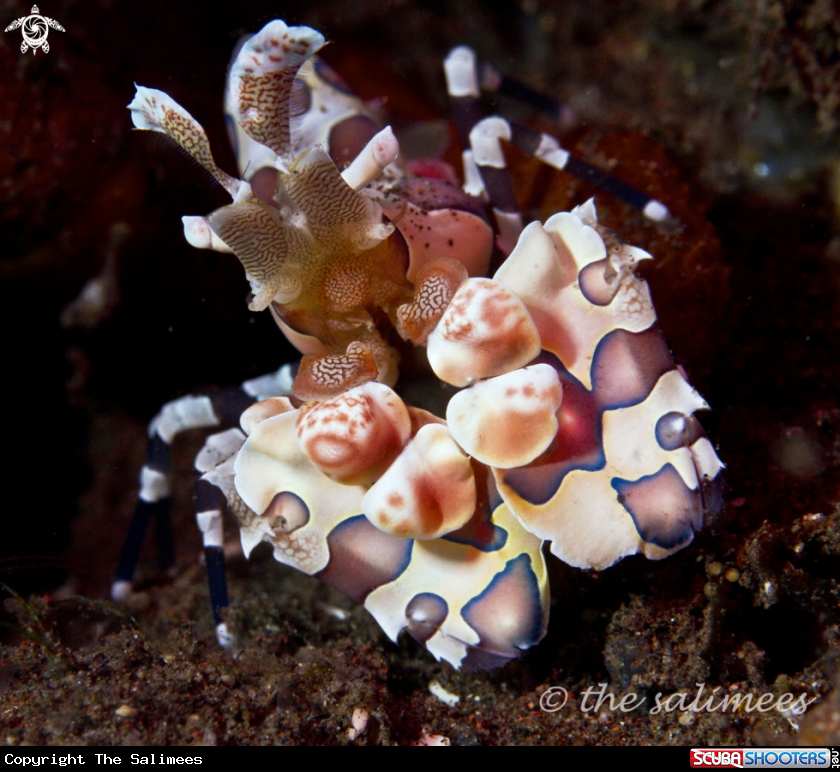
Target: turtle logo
35 30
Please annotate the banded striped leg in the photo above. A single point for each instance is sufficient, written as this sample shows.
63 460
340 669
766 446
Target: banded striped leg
153 503
485 140
485 170
494 82
485 173
464 96
548 150
193 412
210 505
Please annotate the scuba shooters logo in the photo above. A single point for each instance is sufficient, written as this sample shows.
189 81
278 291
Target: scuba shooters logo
759 758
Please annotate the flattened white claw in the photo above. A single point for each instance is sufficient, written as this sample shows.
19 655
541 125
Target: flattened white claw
427 492
274 477
485 331
629 434
507 421
587 527
573 316
354 437
462 576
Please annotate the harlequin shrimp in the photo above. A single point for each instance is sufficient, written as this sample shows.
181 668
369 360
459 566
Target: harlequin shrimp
561 417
